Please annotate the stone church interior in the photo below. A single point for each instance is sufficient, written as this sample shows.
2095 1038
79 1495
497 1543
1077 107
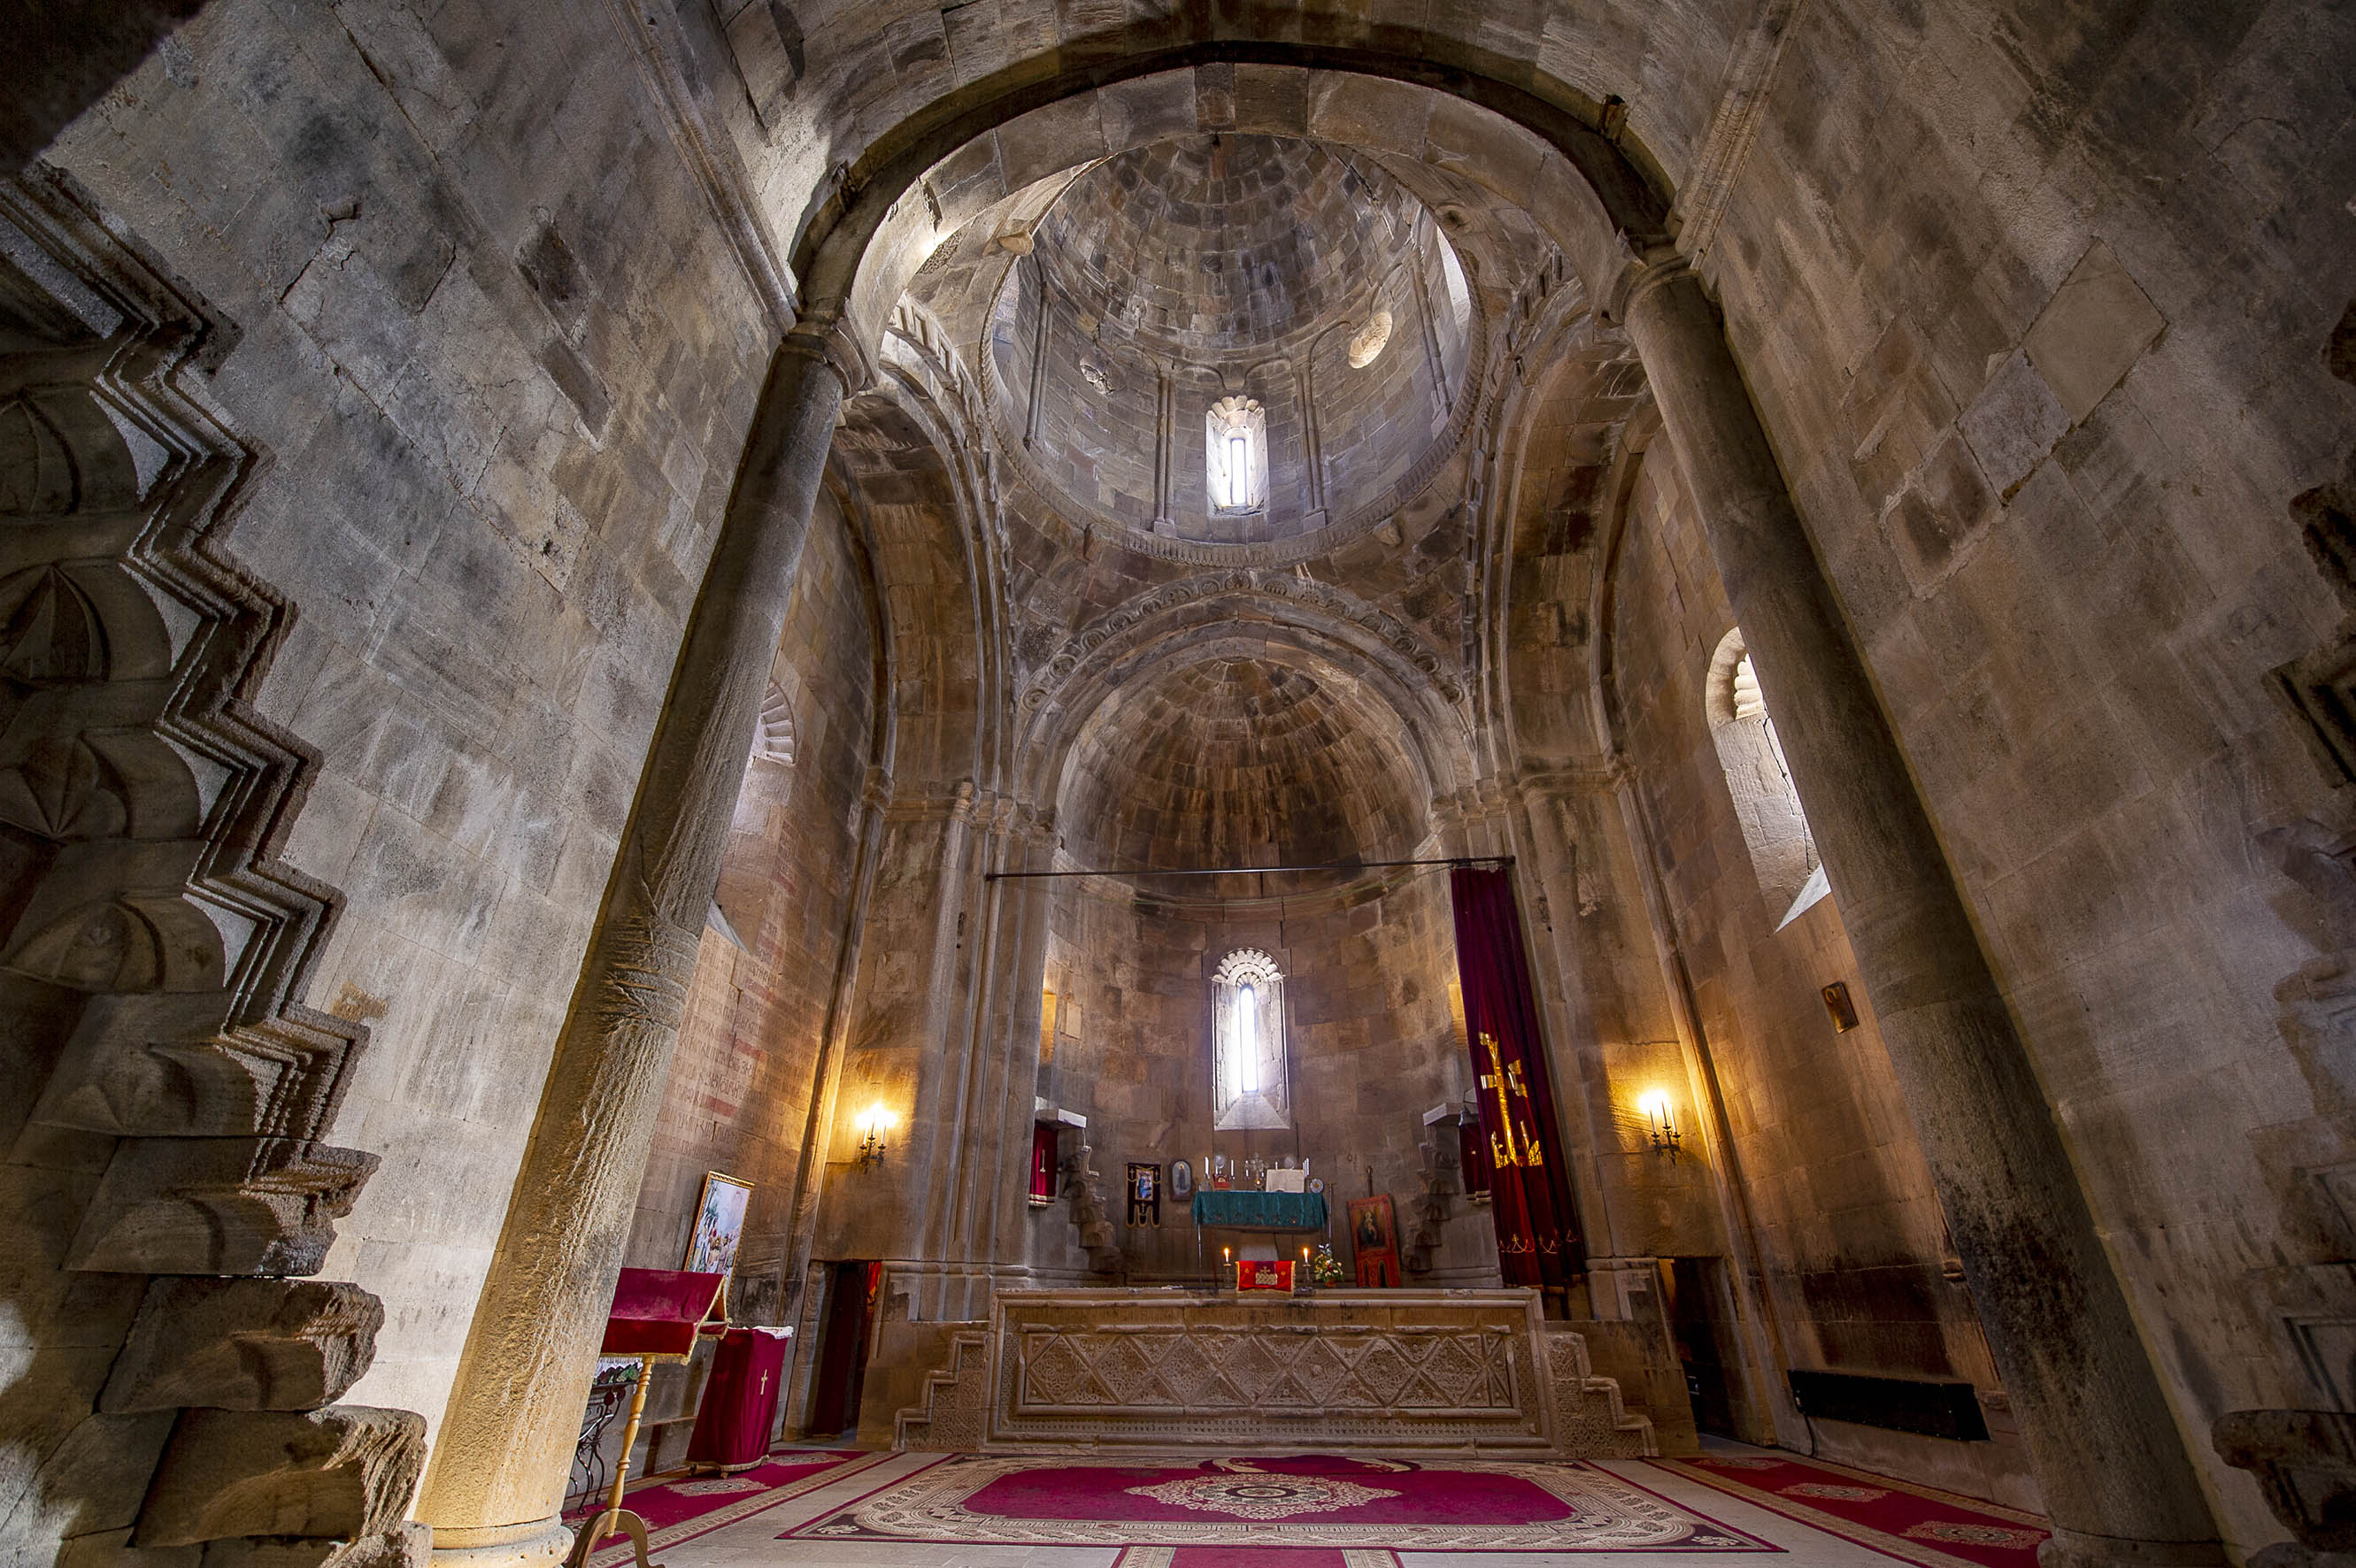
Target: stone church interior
1299 784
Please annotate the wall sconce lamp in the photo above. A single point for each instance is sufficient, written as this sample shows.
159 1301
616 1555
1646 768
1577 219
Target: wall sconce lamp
1662 1121
873 1122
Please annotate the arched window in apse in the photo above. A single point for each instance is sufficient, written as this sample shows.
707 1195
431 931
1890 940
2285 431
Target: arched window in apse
1248 1080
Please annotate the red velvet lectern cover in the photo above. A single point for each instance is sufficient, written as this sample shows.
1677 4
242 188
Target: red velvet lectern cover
657 1311
740 1401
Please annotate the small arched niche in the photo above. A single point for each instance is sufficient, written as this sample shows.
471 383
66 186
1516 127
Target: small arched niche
1774 826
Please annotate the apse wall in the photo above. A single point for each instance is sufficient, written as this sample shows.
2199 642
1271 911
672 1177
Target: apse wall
1849 1230
742 1084
1372 1042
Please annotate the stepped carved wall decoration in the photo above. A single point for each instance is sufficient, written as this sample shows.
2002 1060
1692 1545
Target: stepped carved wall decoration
171 1382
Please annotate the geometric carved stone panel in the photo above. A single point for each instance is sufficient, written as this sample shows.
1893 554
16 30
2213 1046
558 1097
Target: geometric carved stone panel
1392 1369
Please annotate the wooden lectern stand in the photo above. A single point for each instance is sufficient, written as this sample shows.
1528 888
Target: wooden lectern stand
657 1315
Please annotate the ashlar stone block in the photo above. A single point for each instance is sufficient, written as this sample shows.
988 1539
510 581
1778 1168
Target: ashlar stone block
2092 332
344 1474
245 1344
2013 423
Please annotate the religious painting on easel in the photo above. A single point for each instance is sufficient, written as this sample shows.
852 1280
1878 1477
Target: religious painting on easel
1144 1194
719 1224
1374 1238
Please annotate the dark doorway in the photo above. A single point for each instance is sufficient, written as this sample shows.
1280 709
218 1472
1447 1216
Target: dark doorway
1700 1310
843 1322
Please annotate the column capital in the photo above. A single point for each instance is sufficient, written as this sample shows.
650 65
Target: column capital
1657 268
823 334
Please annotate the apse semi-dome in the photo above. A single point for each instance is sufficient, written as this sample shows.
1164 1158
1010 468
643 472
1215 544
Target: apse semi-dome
1229 761
1233 341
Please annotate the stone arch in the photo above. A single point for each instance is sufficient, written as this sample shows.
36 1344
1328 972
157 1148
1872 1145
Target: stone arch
895 469
1394 702
774 739
1533 146
1604 185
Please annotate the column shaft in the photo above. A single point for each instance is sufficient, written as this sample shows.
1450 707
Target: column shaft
500 1460
2107 1453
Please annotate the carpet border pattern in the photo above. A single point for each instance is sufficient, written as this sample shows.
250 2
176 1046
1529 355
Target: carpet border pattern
621 1552
929 1507
1897 1546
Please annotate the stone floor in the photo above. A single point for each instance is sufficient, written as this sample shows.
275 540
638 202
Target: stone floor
753 1541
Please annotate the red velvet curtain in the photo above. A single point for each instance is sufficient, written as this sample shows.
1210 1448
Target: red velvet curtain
1043 1164
1539 1241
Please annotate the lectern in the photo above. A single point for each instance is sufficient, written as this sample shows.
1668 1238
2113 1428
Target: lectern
657 1315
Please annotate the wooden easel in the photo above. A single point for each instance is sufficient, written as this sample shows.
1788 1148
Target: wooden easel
614 1518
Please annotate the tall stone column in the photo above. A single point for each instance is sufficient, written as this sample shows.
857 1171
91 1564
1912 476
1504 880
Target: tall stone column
496 1483
2109 1459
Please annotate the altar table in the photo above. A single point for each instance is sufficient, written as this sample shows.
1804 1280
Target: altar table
1242 1209
1412 1370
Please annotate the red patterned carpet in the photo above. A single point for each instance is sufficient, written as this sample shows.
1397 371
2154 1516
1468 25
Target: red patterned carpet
1916 1524
1255 1557
1307 1512
681 1508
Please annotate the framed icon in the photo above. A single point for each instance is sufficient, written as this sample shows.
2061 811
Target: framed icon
1144 1193
719 1224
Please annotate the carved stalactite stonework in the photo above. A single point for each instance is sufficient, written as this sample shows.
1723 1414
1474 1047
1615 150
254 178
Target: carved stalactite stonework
171 1098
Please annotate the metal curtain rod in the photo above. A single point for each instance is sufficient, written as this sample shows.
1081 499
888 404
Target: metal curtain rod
1250 871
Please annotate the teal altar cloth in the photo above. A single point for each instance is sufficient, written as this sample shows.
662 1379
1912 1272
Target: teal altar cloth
1243 1210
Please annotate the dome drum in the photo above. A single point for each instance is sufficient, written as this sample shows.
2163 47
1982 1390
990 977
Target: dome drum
1174 278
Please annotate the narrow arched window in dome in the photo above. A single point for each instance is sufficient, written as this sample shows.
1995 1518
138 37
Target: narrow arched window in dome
1236 436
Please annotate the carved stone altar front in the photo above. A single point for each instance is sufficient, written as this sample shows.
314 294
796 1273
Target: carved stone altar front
1401 1369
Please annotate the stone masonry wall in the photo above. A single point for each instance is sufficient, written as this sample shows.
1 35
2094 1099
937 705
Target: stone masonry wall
2037 304
1849 1227
504 363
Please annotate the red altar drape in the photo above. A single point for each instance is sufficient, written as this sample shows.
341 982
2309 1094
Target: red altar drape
1538 1240
740 1399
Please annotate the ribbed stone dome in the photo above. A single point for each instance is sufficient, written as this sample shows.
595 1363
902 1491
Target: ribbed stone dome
1205 246
1180 286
